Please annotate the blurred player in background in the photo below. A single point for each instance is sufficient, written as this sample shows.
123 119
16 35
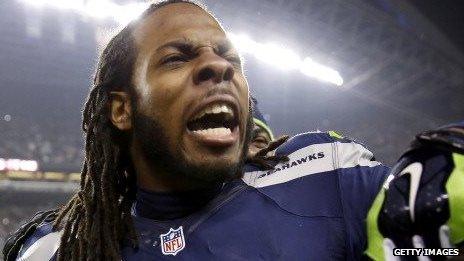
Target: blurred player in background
262 133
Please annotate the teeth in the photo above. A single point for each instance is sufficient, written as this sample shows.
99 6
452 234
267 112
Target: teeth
214 132
215 109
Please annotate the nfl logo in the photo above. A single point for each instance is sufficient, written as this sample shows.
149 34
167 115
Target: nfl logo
173 241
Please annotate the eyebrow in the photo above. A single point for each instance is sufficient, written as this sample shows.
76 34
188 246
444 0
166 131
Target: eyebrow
188 46
184 45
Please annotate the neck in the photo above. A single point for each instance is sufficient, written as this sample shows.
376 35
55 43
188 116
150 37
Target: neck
158 181
156 178
168 206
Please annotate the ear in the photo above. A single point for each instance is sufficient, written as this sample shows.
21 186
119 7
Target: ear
121 110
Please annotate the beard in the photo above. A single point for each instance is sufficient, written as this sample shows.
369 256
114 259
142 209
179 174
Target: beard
155 146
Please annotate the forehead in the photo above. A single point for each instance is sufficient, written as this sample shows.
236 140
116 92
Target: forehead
177 21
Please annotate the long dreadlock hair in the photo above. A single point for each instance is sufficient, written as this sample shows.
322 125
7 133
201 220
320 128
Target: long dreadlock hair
97 219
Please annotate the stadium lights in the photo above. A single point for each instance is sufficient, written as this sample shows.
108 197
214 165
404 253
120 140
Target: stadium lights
17 164
321 72
285 59
278 56
122 14
269 53
61 4
99 9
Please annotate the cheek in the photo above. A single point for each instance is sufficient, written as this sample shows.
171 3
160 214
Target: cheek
166 92
166 88
243 90
243 93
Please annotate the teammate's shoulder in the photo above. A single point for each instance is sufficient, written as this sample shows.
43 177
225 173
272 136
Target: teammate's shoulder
459 124
308 183
312 138
309 153
35 240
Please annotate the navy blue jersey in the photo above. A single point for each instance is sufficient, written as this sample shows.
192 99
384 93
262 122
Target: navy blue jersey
312 207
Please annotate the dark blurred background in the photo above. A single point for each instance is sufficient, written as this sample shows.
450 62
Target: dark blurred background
401 64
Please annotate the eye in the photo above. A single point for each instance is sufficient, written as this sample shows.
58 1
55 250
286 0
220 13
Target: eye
260 141
259 145
174 59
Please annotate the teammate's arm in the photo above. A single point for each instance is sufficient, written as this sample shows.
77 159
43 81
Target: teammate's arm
422 203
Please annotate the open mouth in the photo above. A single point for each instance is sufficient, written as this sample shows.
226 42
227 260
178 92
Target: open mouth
216 122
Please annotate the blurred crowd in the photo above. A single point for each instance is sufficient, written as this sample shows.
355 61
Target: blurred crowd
387 141
54 144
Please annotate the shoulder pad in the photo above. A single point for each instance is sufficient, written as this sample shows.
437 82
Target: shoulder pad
17 239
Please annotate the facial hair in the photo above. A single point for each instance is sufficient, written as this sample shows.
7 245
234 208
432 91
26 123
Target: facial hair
155 147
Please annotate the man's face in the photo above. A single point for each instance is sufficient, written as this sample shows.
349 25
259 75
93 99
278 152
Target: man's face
260 140
191 88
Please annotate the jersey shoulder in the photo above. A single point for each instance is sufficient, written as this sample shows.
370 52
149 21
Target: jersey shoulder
312 181
312 153
35 240
312 138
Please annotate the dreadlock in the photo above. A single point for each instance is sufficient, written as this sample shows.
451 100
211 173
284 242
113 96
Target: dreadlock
97 219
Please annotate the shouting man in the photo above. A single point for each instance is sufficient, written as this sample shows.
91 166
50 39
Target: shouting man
167 125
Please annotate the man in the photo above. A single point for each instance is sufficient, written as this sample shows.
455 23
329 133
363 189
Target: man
262 134
167 125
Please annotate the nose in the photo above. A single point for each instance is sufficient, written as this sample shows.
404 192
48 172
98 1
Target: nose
212 67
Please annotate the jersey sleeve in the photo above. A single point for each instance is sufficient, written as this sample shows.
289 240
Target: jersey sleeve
35 240
360 179
41 245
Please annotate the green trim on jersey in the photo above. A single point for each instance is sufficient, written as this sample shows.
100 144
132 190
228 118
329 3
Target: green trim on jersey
374 237
455 188
334 134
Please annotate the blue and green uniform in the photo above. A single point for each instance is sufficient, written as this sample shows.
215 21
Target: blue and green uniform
312 207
